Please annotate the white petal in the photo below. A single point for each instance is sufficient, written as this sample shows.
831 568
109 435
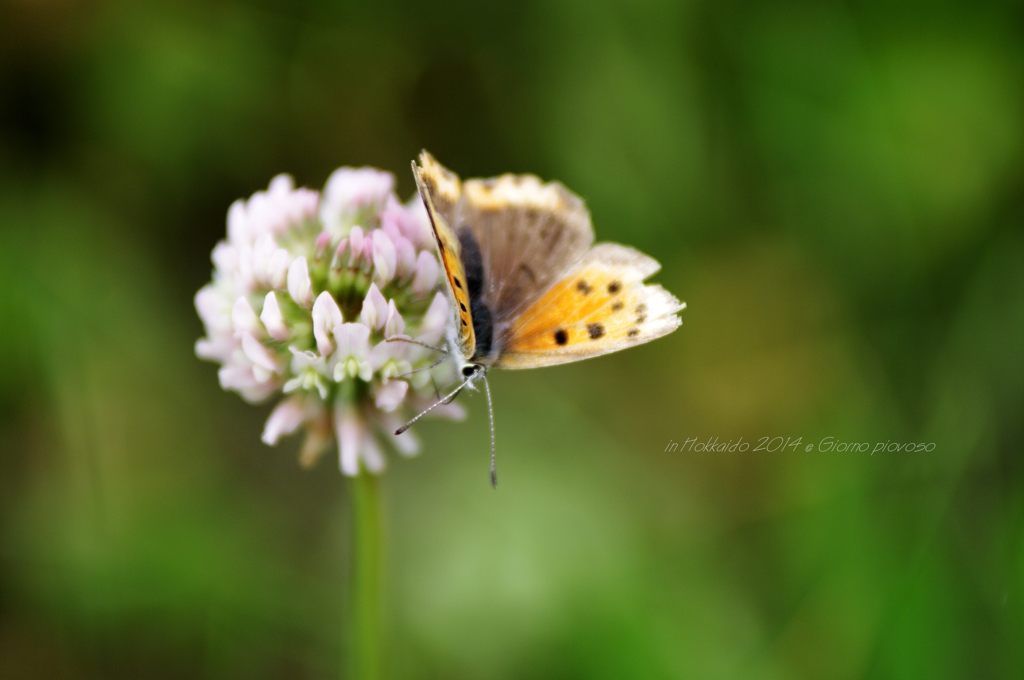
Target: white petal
277 269
273 319
391 395
353 341
299 285
262 253
365 371
375 308
225 258
326 317
284 419
416 224
217 348
282 184
349 431
238 223
426 274
349 189
259 354
355 242
395 324
244 319
385 351
213 308
434 321
234 377
406 256
407 443
372 456
385 257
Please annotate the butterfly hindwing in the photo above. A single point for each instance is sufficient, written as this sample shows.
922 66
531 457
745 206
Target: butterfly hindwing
601 305
441 191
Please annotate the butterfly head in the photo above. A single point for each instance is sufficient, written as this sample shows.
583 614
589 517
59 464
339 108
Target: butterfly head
472 373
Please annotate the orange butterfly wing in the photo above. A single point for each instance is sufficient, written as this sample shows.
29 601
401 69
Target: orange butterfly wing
601 305
441 191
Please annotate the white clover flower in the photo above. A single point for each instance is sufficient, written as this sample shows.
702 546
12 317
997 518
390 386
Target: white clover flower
306 293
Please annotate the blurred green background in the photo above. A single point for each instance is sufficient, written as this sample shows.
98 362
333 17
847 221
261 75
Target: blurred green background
835 189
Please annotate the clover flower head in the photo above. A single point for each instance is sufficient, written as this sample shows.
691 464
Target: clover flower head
311 298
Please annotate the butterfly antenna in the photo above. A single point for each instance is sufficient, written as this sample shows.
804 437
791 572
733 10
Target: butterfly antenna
430 408
490 412
417 342
423 368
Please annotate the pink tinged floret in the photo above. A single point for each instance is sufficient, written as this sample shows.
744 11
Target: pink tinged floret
261 357
326 318
375 308
310 371
385 257
425 278
225 258
406 256
407 443
286 417
281 185
349 429
434 321
389 396
395 324
272 318
299 285
339 252
238 233
352 355
270 262
390 359
355 242
244 319
218 348
323 240
349 188
373 457
318 436
213 308
410 221
241 378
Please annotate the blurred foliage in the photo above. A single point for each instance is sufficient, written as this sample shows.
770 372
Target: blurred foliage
836 189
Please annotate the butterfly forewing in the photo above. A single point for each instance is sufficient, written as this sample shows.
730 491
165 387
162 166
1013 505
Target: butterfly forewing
441 191
599 306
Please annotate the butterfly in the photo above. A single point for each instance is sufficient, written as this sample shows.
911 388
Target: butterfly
526 286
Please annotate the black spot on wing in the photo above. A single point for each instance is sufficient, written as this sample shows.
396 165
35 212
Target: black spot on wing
561 337
596 330
528 270
614 287
583 287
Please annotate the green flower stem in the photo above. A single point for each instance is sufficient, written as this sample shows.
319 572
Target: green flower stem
364 630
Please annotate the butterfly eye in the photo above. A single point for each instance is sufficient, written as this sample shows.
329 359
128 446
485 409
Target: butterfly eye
468 371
